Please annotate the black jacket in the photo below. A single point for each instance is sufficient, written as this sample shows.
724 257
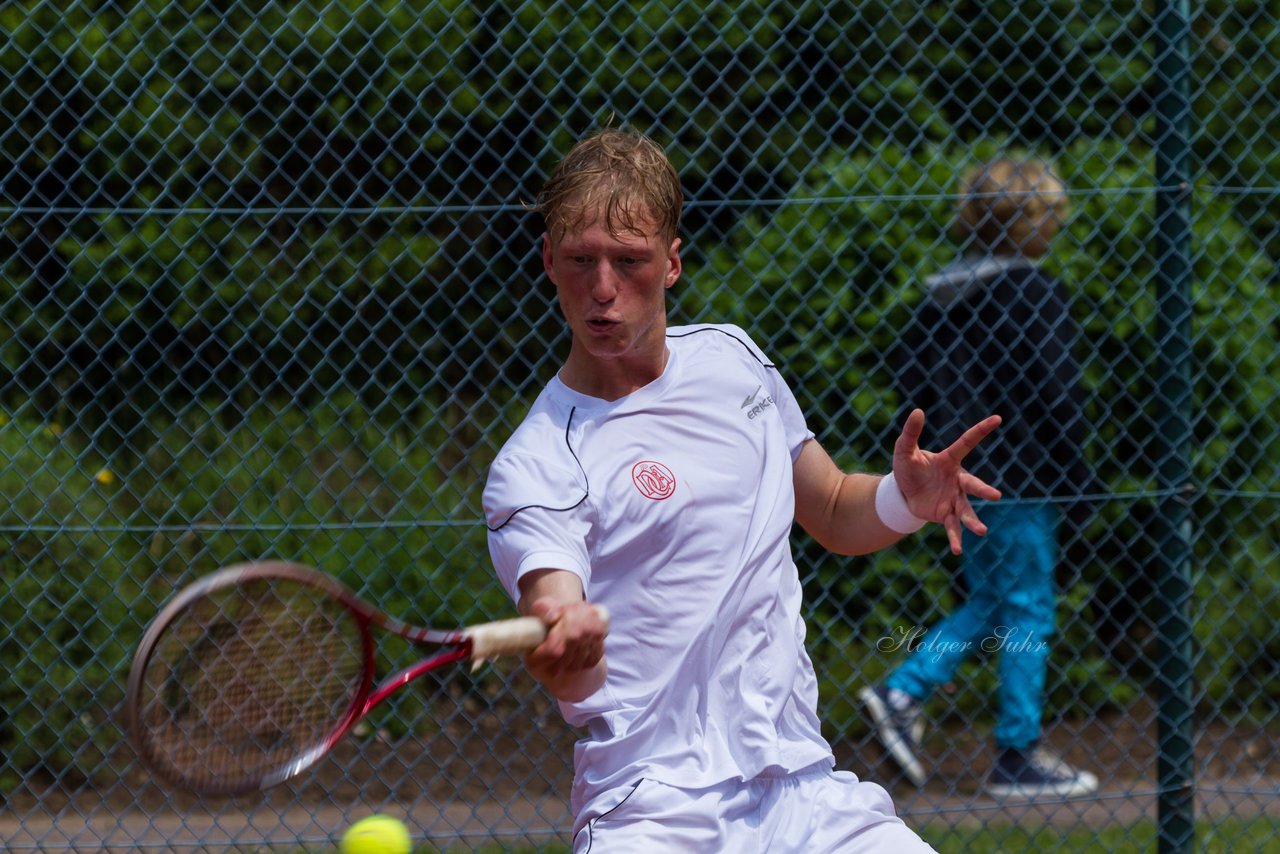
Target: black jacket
993 336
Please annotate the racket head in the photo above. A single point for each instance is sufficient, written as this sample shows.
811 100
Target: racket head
248 677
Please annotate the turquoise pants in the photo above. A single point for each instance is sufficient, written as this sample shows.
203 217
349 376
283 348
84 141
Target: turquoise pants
1009 614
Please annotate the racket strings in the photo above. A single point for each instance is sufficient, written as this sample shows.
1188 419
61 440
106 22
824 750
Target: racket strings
248 679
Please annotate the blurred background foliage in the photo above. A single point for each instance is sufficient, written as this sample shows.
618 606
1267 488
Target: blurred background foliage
270 268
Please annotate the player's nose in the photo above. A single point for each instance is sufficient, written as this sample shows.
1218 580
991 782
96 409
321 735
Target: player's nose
604 284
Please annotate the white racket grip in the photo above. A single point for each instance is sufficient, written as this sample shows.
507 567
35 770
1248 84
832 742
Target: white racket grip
511 637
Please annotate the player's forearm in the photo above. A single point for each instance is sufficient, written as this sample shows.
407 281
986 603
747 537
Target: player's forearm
849 523
837 509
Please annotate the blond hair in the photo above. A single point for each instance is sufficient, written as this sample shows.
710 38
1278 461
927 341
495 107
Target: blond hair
1012 207
621 176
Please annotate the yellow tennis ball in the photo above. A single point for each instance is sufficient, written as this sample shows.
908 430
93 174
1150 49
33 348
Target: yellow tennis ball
377 834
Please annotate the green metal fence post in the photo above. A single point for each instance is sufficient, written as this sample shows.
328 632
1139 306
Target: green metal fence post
1175 765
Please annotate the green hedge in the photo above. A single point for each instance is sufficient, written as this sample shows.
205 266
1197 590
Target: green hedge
250 191
91 544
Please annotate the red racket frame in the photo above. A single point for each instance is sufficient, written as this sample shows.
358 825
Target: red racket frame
367 697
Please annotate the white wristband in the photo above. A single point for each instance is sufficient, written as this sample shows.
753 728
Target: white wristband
891 507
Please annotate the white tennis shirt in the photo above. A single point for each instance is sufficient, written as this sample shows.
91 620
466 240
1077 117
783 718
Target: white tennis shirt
674 505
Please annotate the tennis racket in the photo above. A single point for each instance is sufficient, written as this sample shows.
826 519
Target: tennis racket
252 674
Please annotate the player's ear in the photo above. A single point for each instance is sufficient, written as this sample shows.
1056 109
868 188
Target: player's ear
547 256
674 265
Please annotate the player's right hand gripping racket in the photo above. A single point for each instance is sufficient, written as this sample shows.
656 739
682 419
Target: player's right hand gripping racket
252 674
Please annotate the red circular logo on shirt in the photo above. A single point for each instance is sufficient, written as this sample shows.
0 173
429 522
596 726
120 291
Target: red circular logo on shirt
654 480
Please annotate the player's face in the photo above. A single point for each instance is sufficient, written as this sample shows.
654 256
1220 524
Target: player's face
612 289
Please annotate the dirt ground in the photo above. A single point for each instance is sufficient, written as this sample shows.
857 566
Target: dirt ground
486 777
1120 749
1237 771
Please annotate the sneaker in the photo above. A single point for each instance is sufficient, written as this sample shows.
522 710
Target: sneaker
899 727
1036 773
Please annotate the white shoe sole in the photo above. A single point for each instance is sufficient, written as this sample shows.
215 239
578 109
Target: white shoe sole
1084 784
889 736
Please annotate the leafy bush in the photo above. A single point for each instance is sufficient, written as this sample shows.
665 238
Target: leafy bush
297 198
93 545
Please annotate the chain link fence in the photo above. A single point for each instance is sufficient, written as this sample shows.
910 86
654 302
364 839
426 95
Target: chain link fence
269 288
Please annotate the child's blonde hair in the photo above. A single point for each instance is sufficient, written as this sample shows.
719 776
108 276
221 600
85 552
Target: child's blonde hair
1012 207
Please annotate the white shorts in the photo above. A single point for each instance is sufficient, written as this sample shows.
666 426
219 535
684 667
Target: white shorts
811 811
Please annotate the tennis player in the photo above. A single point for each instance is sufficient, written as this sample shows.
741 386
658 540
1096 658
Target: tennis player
659 474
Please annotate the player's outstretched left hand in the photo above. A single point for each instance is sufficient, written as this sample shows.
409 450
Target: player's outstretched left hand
936 485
